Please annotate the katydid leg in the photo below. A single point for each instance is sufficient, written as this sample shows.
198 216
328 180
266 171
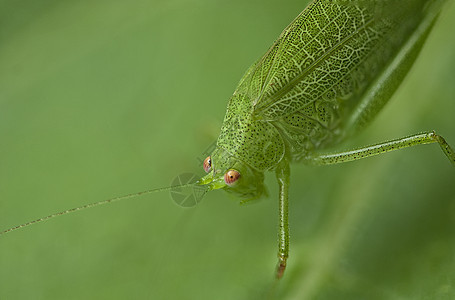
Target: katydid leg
282 175
359 153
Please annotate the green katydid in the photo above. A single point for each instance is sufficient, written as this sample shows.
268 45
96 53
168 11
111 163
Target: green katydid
328 75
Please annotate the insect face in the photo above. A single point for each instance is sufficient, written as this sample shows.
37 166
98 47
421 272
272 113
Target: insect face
233 175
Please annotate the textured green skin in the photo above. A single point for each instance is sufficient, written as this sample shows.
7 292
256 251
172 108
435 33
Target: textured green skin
312 88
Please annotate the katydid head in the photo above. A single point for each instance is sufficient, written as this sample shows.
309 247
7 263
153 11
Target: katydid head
233 175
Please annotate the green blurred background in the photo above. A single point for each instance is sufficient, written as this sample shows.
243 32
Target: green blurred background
104 98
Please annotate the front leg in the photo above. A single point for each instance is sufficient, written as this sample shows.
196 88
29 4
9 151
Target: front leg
282 175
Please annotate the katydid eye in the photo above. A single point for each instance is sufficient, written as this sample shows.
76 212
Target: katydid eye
207 164
231 177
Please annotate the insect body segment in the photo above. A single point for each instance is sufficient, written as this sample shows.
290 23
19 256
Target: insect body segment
251 139
249 182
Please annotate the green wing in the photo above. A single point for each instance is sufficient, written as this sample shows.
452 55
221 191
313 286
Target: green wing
325 61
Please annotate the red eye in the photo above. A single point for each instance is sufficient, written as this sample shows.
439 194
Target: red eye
207 164
231 177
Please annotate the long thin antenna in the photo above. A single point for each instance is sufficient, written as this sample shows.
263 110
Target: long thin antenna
90 205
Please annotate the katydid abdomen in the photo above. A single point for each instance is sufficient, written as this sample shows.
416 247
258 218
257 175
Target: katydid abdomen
313 86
